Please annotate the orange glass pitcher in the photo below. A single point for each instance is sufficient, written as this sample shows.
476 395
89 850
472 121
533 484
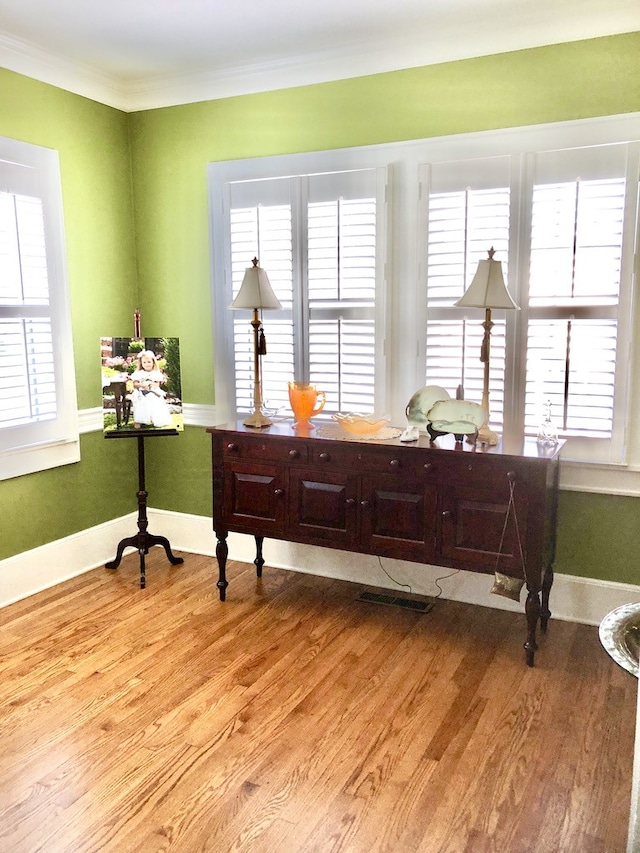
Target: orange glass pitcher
306 401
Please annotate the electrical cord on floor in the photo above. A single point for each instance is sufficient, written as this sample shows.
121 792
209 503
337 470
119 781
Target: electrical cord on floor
397 582
444 578
408 586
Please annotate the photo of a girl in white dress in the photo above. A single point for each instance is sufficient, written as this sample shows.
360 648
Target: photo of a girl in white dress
148 397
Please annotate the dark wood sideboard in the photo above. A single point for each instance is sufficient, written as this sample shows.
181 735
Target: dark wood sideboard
443 503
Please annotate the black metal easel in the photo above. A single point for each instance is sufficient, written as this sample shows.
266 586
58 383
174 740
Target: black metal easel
142 540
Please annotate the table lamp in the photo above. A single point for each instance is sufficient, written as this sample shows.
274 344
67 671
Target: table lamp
256 295
487 290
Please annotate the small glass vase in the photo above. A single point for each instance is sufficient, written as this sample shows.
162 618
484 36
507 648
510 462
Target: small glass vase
547 432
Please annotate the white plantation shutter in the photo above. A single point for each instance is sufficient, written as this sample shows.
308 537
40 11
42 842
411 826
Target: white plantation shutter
317 238
27 380
37 395
468 209
571 365
341 288
263 231
577 236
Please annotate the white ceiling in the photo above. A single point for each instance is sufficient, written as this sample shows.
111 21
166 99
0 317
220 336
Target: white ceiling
138 54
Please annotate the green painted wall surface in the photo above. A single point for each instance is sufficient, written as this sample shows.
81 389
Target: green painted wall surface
599 536
50 505
93 143
170 149
181 472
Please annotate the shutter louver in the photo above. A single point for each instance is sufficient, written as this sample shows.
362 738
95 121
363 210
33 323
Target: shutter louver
265 232
333 322
576 252
341 298
27 376
571 364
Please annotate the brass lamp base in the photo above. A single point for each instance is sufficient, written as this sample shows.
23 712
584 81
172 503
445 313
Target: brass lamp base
257 420
487 436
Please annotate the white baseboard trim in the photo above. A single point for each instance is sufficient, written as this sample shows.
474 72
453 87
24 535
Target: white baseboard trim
40 568
573 598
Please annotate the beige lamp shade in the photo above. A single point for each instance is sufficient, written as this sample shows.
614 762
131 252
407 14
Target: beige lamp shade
487 290
255 290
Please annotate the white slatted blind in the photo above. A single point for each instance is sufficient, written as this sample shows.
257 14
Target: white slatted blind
568 229
27 376
468 213
265 232
316 236
577 230
341 297
38 408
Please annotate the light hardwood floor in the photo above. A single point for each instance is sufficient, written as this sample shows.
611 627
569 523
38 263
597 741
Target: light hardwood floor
293 718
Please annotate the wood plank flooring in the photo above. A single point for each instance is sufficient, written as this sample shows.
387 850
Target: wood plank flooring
295 719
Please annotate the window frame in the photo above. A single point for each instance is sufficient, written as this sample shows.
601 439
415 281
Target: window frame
405 308
38 446
300 167
515 254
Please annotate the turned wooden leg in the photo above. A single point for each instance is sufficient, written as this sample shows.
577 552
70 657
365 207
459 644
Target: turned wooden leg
532 609
222 552
547 583
259 562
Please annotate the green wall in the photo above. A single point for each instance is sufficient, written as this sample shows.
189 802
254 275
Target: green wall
170 149
93 142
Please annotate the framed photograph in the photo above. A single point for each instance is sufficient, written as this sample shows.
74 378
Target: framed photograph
141 384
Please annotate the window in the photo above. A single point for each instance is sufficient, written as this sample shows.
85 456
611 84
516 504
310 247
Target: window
369 248
319 238
37 388
468 213
563 224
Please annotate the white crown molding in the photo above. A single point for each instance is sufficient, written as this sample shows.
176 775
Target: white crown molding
341 61
24 58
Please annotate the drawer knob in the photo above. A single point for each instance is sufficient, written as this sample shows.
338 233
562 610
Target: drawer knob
511 476
232 448
364 504
447 513
279 493
395 463
324 457
427 466
350 502
294 454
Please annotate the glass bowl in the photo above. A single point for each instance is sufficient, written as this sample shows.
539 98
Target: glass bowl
356 424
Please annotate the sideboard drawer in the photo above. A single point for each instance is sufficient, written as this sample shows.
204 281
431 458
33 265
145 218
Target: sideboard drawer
263 449
408 462
489 471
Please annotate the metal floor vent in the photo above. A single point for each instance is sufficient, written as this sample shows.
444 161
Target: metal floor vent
396 601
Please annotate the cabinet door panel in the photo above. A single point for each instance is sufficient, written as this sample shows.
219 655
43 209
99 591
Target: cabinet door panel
399 517
474 531
254 498
322 507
